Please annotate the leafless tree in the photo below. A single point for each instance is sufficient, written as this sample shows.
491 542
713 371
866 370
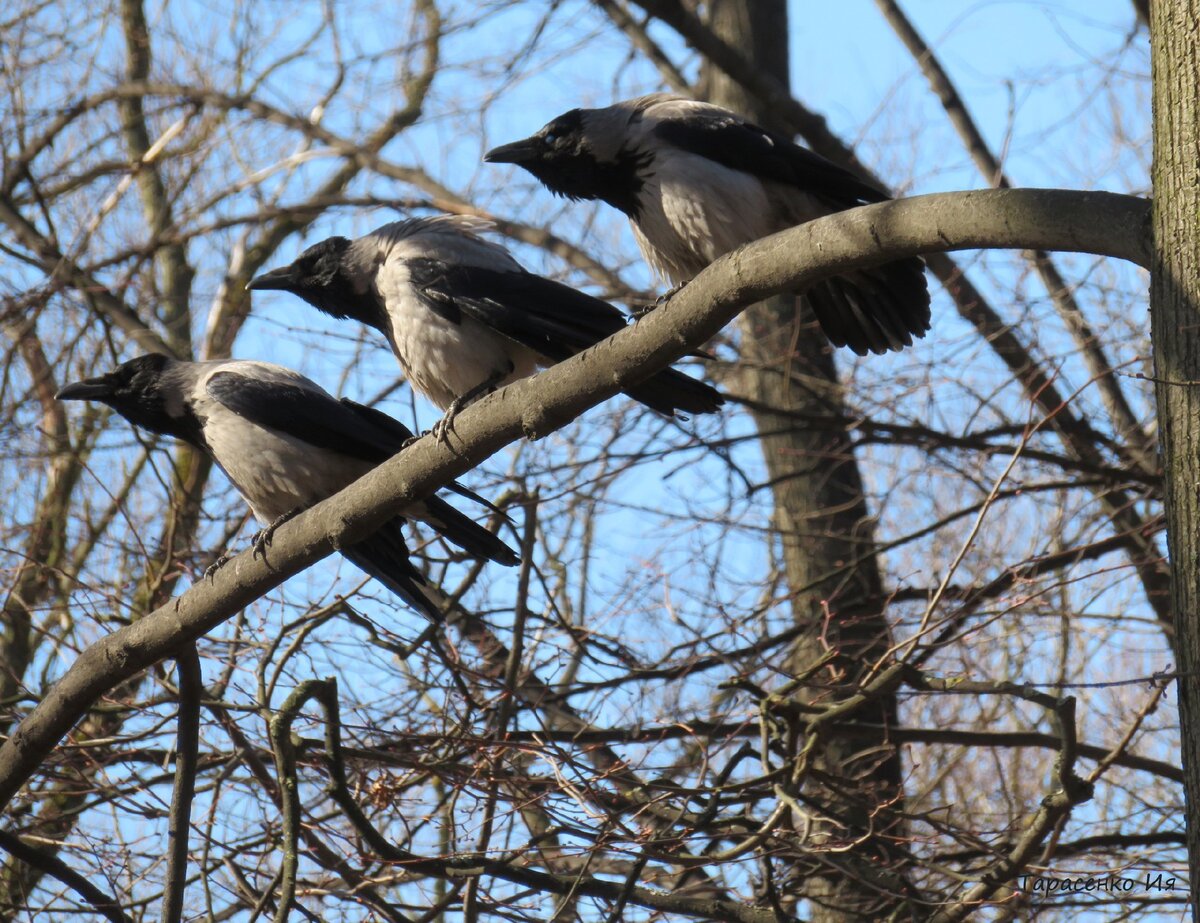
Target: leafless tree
666 711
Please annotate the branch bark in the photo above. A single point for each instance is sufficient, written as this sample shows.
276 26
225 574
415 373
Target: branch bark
175 270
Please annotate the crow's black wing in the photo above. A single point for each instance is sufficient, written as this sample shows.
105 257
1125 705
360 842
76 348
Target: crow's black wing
550 318
357 431
875 310
402 434
310 415
741 145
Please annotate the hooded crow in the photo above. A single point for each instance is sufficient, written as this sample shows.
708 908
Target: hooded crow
461 315
697 181
286 444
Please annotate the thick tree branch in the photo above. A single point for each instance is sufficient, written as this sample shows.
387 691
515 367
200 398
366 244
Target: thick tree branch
176 272
44 548
1100 223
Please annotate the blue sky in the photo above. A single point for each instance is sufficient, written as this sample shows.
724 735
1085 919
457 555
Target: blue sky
1028 72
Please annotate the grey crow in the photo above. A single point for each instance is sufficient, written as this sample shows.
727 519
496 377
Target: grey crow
286 444
461 315
697 181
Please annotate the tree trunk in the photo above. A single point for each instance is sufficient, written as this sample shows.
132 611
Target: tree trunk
826 533
1175 330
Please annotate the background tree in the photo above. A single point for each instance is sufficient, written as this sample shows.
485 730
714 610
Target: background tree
787 374
1173 298
625 727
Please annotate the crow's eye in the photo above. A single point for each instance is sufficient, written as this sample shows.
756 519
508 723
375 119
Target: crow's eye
550 137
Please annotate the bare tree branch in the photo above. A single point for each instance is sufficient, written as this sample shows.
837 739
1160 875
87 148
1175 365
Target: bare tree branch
191 687
52 865
1101 223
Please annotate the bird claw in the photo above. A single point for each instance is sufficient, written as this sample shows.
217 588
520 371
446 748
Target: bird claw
445 426
210 572
640 312
442 429
262 538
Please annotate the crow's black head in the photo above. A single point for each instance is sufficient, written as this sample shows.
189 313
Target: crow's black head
324 276
554 149
582 154
139 391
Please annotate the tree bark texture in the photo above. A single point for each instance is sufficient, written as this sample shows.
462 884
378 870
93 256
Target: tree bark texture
1175 331
825 530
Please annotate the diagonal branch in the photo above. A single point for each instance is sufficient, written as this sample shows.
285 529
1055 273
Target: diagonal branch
1100 223
191 688
52 865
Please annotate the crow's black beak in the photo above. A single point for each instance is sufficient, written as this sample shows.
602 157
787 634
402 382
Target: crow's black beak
90 389
518 152
282 279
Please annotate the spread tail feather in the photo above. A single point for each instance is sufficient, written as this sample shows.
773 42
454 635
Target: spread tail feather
874 310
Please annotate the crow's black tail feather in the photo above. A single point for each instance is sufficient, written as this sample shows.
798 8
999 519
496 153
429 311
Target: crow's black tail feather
384 556
669 392
466 533
874 310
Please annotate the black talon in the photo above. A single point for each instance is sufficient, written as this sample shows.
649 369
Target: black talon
262 538
639 313
211 571
443 427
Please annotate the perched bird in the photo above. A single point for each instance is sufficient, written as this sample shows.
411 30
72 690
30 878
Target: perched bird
286 444
697 181
461 315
